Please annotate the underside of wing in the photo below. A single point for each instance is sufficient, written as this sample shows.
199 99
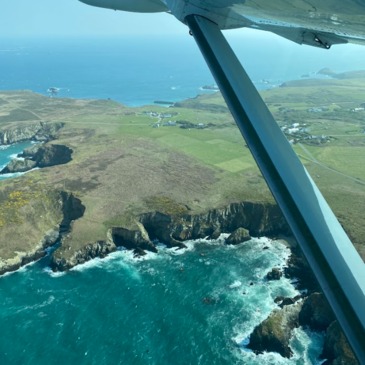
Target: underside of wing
316 23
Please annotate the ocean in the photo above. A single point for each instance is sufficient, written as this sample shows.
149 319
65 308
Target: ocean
140 70
194 306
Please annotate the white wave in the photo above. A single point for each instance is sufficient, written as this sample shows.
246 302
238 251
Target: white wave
4 147
235 284
190 246
37 306
53 274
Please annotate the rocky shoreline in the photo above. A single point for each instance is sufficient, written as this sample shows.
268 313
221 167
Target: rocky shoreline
36 131
241 220
259 219
309 310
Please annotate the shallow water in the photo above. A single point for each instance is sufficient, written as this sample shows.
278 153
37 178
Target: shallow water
192 307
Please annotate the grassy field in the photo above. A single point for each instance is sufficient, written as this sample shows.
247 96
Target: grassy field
124 165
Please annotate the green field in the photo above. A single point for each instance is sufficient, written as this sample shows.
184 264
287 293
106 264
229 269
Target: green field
123 163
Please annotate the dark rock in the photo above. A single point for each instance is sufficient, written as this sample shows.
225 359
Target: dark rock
336 348
50 155
86 253
298 268
215 235
138 252
40 156
286 301
72 209
238 236
17 165
279 299
274 274
30 151
172 230
273 334
133 239
316 313
261 219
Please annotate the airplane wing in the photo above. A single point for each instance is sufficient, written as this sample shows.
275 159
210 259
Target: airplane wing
319 23
337 266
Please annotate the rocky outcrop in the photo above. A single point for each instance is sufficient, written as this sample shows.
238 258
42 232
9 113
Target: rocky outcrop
336 349
72 209
274 334
39 131
274 274
238 236
313 312
133 239
18 165
316 313
260 219
87 253
39 156
24 258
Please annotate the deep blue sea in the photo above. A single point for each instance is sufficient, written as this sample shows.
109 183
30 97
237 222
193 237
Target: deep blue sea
196 306
140 70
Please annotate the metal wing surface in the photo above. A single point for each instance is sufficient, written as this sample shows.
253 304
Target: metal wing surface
319 23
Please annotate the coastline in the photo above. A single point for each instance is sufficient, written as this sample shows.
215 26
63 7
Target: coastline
157 200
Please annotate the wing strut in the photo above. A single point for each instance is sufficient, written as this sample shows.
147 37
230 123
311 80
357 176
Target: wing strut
335 262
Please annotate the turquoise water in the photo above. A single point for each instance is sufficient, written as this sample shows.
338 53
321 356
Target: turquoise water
172 308
192 307
9 152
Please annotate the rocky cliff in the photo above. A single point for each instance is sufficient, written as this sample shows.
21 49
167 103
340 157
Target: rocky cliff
38 131
55 219
257 218
39 155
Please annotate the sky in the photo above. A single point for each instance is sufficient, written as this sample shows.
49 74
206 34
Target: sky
71 17
20 18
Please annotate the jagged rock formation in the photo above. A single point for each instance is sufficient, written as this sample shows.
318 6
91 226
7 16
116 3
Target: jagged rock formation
16 165
60 208
336 349
39 156
274 333
316 313
87 253
39 131
258 218
238 236
274 274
